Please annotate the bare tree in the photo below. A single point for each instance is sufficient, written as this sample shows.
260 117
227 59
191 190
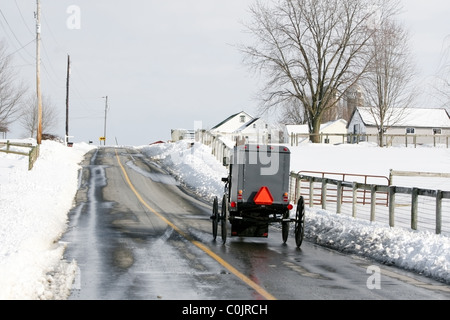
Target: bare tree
29 116
387 83
442 80
311 50
11 91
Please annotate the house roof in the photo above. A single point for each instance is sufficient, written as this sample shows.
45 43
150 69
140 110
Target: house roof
246 125
410 117
228 119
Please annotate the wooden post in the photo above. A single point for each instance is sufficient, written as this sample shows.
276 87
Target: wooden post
298 184
373 200
355 199
311 193
391 206
38 72
324 194
67 100
339 197
439 212
414 206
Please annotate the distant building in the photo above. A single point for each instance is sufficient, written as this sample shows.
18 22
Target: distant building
232 123
354 99
182 134
298 134
243 128
3 131
409 121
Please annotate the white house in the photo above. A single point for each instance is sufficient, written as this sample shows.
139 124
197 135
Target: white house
242 127
256 131
425 123
232 123
332 132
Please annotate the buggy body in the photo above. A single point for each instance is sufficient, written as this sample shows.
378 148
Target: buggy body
256 192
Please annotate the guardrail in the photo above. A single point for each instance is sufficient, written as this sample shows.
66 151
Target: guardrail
402 206
33 154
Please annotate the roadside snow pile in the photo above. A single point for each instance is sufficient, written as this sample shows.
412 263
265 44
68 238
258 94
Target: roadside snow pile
192 164
33 215
418 251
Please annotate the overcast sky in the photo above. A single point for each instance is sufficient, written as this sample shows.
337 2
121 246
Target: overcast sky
162 64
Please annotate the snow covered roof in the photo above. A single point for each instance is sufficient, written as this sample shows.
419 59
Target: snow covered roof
410 117
231 118
246 125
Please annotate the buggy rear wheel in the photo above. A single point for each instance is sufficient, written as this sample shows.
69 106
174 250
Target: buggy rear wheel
224 218
215 217
285 227
300 222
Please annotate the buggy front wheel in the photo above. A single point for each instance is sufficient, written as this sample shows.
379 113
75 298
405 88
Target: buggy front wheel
224 218
215 217
300 222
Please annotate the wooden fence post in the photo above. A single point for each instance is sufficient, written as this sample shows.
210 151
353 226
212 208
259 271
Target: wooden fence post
391 206
414 207
355 199
373 201
311 193
438 211
323 196
339 197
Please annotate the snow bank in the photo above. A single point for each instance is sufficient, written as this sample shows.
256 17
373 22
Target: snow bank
33 215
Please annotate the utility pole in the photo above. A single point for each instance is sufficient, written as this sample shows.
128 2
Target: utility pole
38 71
67 100
104 128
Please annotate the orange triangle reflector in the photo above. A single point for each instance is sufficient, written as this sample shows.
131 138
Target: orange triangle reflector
263 197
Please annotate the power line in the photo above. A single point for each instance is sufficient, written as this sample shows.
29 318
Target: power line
24 46
21 46
12 31
23 19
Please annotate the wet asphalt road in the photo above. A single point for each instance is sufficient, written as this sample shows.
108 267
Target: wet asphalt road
140 236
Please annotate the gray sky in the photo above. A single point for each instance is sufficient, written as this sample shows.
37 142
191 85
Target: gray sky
162 64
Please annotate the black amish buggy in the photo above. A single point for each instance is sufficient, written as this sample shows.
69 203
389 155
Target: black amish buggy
257 194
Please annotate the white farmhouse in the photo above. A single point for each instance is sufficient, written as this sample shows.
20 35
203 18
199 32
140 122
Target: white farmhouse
425 123
243 128
232 123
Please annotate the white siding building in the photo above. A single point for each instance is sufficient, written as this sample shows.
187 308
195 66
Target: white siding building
412 121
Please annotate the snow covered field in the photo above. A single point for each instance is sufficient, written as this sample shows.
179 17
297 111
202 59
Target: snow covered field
34 208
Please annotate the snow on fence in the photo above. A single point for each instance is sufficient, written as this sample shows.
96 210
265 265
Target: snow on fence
33 154
393 205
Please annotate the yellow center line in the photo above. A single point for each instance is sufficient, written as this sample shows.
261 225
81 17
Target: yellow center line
199 245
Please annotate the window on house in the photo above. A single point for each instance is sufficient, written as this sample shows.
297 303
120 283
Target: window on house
267 126
254 126
437 131
410 130
242 119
